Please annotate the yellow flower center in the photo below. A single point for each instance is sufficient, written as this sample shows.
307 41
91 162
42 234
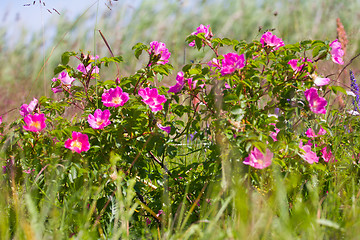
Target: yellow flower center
36 124
76 144
116 100
99 122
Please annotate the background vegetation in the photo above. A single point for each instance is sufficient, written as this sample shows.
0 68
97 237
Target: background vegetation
123 25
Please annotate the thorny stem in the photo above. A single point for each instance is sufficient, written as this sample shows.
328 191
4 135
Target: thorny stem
142 75
212 48
195 96
138 155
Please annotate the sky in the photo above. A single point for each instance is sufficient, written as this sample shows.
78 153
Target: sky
16 13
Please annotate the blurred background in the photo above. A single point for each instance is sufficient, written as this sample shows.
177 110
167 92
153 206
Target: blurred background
34 34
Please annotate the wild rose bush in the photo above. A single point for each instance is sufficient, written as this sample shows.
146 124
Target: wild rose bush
260 106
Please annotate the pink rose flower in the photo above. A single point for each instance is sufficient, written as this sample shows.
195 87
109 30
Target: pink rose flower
327 156
273 135
29 171
180 81
152 98
321 81
160 52
34 123
91 57
231 63
309 155
166 129
114 97
202 29
294 64
86 70
271 40
192 84
258 160
65 80
336 52
100 119
27 109
311 134
317 104
78 143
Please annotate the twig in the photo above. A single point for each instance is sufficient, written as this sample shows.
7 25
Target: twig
351 60
160 163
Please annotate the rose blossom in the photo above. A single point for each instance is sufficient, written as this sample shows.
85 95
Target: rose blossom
294 64
258 160
85 70
65 80
327 156
231 63
159 50
311 133
35 123
114 97
152 98
317 104
180 81
100 119
309 155
321 81
269 39
166 129
78 143
202 29
27 109
273 135
336 52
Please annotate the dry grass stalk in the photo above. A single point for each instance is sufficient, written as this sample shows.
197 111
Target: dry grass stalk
341 35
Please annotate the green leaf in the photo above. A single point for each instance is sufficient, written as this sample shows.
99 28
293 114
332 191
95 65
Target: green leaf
336 89
65 57
186 67
89 131
139 47
227 41
72 174
198 43
107 60
261 146
317 43
194 71
231 98
238 112
162 69
59 69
